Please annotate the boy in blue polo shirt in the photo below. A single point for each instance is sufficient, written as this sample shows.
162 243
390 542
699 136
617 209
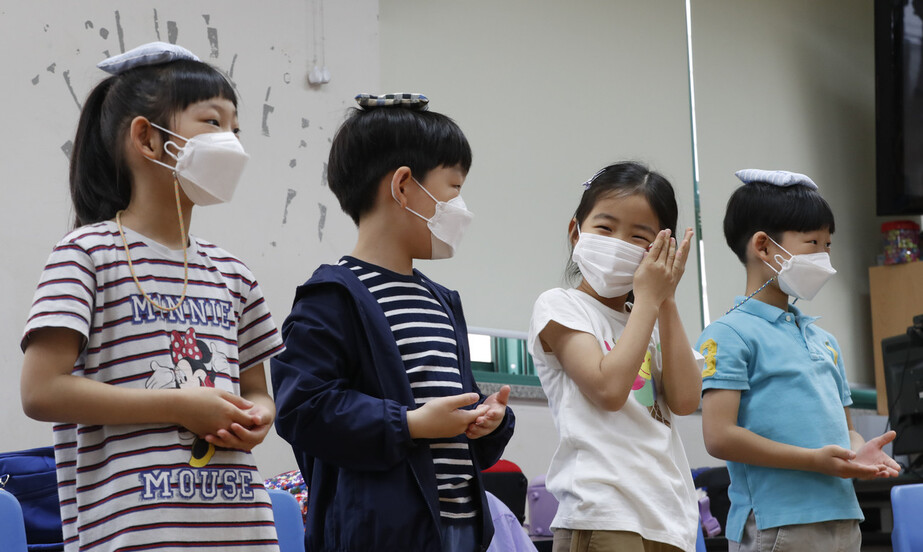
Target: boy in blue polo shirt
774 384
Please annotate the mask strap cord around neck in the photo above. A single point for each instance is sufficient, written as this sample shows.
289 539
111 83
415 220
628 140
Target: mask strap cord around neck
131 268
762 287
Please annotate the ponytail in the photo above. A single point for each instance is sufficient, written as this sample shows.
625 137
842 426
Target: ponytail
99 187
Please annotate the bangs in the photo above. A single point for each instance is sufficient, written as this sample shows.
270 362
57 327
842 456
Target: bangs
452 148
792 208
811 213
194 82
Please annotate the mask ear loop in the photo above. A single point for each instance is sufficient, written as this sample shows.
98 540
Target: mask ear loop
166 149
424 190
784 263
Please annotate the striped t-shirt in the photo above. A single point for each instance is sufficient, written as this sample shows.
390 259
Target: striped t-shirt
427 342
147 486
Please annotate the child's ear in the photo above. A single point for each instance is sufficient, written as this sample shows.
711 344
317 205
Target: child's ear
759 246
144 138
572 232
400 179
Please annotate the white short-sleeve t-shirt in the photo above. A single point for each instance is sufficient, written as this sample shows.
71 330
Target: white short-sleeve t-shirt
617 471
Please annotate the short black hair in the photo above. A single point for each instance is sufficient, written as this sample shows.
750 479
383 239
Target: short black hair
375 141
760 206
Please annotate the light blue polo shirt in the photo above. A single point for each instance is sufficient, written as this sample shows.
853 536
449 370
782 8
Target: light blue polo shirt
793 390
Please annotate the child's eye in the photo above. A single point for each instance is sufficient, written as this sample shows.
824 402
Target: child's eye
213 122
606 228
237 131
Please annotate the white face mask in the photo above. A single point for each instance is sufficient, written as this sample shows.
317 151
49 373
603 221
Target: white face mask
802 276
208 167
607 264
447 225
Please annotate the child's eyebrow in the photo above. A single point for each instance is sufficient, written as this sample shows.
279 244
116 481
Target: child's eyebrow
646 227
221 108
607 216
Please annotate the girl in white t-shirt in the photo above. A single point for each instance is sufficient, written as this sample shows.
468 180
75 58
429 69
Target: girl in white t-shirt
616 366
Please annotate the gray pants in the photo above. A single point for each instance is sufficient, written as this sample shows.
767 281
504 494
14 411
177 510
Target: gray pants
830 536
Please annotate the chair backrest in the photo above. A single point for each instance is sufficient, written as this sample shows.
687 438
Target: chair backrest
12 526
510 487
542 508
906 505
289 523
700 539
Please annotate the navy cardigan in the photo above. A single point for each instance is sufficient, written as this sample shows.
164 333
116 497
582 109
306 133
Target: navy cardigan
342 397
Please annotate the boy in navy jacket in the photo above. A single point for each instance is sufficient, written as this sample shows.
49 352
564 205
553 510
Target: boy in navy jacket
375 391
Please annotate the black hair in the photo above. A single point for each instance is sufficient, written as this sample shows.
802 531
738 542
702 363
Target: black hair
623 179
373 142
100 182
760 206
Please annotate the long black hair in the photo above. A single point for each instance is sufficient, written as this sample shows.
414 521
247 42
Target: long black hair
623 179
100 181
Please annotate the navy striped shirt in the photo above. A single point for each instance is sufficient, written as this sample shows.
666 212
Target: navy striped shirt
427 342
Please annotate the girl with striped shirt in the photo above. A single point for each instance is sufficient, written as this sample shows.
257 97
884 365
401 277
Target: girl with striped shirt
145 346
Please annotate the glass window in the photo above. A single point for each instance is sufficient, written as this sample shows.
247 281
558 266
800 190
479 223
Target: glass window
500 356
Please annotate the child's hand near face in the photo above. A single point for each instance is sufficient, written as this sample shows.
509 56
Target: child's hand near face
489 421
653 281
682 254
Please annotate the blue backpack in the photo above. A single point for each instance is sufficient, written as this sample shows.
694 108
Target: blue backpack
30 476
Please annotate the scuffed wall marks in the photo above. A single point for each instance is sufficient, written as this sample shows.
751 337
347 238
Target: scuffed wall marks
321 222
212 37
288 201
267 110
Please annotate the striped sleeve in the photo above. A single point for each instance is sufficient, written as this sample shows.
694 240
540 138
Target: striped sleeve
65 296
257 336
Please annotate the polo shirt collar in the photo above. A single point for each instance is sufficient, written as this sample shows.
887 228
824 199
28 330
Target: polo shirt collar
770 313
